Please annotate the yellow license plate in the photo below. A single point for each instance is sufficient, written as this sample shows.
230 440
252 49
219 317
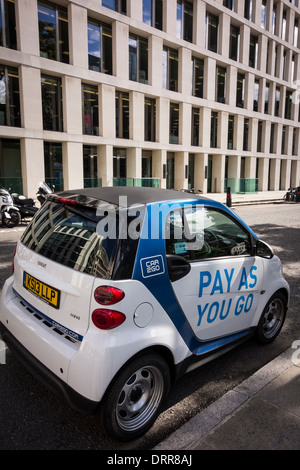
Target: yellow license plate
45 292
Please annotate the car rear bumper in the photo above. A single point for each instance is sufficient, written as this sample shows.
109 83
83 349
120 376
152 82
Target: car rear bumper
44 375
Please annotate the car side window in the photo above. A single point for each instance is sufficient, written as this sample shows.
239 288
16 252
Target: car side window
197 233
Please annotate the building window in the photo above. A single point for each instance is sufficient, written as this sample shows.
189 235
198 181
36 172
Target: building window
296 33
90 175
8 37
253 50
212 25
283 25
229 4
259 136
184 20
272 138
195 126
122 115
170 69
230 132
267 93
138 59
214 130
53 32
283 142
116 5
248 10
263 14
150 119
277 101
153 13
52 104
197 77
256 95
10 165
174 123
53 165
119 164
240 90
246 134
9 97
234 43
288 104
221 85
90 109
100 47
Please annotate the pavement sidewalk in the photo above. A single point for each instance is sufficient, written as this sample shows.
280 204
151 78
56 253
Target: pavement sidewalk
261 413
262 197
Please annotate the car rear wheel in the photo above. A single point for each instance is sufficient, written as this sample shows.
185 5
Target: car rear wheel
272 319
135 398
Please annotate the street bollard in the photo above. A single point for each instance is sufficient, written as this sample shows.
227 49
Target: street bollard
228 197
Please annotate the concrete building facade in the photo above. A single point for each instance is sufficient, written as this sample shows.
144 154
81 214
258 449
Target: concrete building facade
170 93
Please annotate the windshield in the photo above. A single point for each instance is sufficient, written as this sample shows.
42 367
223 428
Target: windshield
71 236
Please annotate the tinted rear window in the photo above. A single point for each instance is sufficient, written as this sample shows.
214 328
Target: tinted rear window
69 236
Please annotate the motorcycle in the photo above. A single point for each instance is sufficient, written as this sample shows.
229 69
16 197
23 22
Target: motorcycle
42 192
292 194
10 214
27 207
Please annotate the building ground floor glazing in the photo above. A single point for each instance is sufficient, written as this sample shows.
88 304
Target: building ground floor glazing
26 161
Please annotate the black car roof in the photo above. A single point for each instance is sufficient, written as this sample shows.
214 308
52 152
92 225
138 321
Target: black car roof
134 195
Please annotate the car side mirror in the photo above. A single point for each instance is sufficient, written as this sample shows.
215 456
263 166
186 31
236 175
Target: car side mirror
264 250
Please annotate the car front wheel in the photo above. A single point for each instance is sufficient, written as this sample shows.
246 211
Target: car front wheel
135 398
272 319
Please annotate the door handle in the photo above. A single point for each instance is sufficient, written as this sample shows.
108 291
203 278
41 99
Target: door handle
178 267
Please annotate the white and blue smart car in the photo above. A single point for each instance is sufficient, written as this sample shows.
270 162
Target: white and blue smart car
116 292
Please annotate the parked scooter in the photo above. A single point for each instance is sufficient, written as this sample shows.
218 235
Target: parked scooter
9 213
42 192
27 207
292 194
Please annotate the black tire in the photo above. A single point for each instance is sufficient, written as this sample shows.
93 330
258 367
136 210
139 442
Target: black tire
272 319
14 220
135 397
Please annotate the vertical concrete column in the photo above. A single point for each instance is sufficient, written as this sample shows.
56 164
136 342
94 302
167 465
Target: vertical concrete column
256 12
278 139
263 174
238 132
159 163
180 174
169 16
72 165
205 126
135 9
120 33
27 26
271 62
253 135
224 33
262 53
234 166
295 173
72 109
30 97
289 140
266 137
244 44
134 162
32 164
78 40
155 60
185 120
250 167
200 171
223 130
107 110
249 90
137 115
290 21
105 164
199 14
210 79
185 71
231 85
163 120
218 173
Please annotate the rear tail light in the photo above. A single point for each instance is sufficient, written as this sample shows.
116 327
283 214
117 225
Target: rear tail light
107 295
107 319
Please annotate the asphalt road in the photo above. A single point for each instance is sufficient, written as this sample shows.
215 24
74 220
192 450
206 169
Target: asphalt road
33 419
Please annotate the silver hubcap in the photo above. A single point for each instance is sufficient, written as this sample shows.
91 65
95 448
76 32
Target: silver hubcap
273 318
139 398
